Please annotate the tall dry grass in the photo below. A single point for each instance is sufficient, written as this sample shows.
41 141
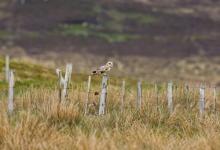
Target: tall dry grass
41 122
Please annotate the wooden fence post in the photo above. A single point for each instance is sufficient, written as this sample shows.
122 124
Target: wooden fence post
67 81
139 95
60 83
170 96
157 95
122 95
68 74
87 96
215 99
64 82
7 68
202 101
102 102
11 92
186 93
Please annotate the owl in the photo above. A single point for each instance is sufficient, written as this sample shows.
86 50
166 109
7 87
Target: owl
103 69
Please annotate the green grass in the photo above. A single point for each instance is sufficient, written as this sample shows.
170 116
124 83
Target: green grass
27 74
117 37
37 76
75 30
85 31
4 34
110 30
141 18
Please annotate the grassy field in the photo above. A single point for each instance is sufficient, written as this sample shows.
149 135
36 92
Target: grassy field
41 122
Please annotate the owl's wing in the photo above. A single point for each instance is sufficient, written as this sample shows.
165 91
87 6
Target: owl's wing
94 72
102 68
99 70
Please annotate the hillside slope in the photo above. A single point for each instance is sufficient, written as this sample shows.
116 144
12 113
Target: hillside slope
146 28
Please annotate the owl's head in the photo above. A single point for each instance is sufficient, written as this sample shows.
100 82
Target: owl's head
109 64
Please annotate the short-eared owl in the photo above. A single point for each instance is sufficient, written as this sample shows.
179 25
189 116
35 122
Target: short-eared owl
103 69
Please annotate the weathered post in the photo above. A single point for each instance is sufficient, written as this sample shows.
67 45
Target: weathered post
157 95
64 82
102 102
186 93
68 74
139 95
67 81
87 96
170 96
60 83
215 99
7 68
11 92
202 101
122 95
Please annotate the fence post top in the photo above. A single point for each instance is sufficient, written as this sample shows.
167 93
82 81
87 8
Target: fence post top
202 86
105 75
58 71
170 83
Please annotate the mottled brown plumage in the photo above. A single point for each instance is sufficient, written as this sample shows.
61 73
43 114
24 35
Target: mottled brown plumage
103 69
